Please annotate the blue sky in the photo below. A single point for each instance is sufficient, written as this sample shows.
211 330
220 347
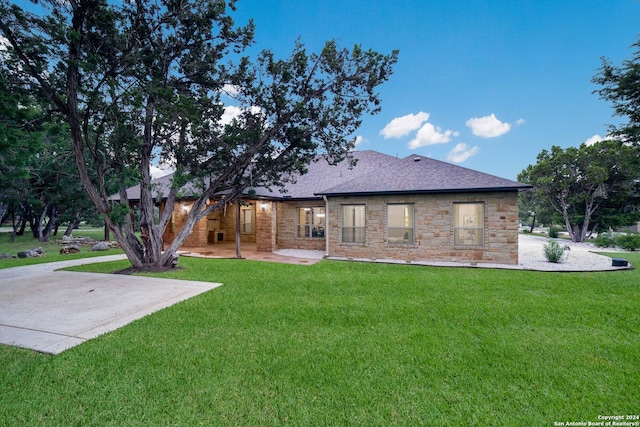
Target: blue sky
483 84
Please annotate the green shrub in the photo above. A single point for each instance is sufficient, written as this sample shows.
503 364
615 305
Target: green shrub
605 240
554 252
553 231
630 242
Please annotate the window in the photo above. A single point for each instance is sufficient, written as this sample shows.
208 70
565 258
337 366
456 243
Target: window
246 219
311 222
468 224
353 223
400 224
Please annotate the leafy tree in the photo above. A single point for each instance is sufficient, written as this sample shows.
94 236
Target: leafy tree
55 192
529 209
38 179
621 86
139 82
22 119
590 187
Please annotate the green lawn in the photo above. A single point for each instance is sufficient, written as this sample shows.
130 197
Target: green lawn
51 248
341 343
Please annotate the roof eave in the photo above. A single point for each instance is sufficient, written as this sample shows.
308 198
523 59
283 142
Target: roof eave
434 191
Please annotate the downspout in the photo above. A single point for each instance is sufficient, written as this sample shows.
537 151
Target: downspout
238 225
326 225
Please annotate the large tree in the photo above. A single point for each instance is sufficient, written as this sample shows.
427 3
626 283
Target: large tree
38 179
587 187
621 86
141 82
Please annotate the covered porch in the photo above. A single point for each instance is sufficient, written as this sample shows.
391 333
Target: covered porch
249 250
251 222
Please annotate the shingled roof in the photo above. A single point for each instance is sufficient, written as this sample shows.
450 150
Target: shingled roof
374 174
418 174
321 175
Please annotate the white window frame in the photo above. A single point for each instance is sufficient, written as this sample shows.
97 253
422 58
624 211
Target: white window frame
311 229
358 232
405 230
469 226
246 227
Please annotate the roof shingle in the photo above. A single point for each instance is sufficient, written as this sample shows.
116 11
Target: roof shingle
374 173
418 174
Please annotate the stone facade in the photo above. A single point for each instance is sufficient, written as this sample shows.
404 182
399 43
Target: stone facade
198 236
219 224
266 213
287 226
433 229
274 226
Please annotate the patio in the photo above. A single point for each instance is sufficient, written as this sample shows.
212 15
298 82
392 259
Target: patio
248 251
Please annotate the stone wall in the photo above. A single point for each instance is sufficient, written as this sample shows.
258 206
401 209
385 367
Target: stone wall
433 229
287 223
198 236
275 227
265 226
217 221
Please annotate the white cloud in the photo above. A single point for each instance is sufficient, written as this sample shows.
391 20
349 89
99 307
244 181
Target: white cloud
401 126
593 140
4 47
430 135
161 170
232 112
231 90
462 152
488 126
360 140
520 122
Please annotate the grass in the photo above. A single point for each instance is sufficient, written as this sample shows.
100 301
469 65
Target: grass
349 344
51 248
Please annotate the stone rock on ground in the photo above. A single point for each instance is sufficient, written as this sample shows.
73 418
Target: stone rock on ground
70 249
100 246
37 252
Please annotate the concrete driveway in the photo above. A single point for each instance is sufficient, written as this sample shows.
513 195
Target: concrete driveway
50 311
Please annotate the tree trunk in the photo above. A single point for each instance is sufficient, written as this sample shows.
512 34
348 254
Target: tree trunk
19 224
52 213
567 222
533 224
12 238
73 224
40 228
150 234
4 212
23 225
35 223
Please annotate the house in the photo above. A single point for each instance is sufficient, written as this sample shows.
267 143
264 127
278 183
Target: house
384 208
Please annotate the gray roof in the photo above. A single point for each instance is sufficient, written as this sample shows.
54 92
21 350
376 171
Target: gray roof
374 173
159 186
418 174
321 175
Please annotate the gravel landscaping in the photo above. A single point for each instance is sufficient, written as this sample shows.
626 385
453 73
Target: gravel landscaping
580 257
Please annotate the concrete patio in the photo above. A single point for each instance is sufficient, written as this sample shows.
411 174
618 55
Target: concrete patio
248 251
